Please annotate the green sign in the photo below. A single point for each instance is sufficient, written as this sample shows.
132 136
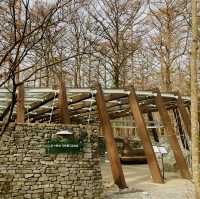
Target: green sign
56 146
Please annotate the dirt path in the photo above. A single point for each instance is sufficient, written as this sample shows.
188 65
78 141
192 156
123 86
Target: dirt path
141 187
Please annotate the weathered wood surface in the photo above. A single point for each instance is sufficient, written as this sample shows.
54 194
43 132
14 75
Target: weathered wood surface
109 140
171 135
144 136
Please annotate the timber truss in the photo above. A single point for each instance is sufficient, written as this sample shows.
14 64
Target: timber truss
43 104
99 106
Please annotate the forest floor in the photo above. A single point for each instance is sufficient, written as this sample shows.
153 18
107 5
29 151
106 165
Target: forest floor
140 185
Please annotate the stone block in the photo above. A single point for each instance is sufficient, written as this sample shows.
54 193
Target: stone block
29 175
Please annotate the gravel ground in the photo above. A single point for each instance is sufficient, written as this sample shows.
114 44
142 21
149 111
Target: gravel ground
141 186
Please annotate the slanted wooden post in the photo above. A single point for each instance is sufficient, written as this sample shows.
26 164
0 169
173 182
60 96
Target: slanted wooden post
20 109
116 167
180 128
144 136
154 131
171 135
62 102
184 115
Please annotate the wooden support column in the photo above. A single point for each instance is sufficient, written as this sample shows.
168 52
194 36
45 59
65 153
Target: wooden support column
154 131
116 167
20 109
171 135
184 115
180 129
62 101
144 136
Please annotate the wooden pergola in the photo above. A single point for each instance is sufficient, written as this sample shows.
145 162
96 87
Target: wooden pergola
100 106
41 103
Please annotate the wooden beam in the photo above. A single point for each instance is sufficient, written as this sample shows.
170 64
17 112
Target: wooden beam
20 109
49 97
109 139
184 115
34 118
180 129
79 98
144 136
115 115
153 130
56 119
80 105
114 97
62 101
107 99
171 135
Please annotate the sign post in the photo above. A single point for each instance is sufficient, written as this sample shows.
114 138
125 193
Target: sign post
162 151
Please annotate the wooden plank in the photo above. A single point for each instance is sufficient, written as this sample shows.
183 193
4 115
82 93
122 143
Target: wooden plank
20 109
63 105
171 135
184 115
144 136
109 139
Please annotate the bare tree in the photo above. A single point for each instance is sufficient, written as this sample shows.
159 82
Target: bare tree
168 36
16 48
115 21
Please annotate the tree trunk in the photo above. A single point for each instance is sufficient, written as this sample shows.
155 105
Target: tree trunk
168 78
194 103
168 40
162 71
116 77
78 63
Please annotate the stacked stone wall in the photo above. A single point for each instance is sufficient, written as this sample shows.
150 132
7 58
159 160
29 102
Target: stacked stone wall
28 172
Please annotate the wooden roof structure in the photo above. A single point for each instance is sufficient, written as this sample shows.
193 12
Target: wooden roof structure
94 105
42 104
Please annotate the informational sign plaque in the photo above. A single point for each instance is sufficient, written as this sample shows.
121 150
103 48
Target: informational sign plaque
160 149
56 146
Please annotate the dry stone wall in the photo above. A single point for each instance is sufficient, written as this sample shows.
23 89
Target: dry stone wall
28 172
